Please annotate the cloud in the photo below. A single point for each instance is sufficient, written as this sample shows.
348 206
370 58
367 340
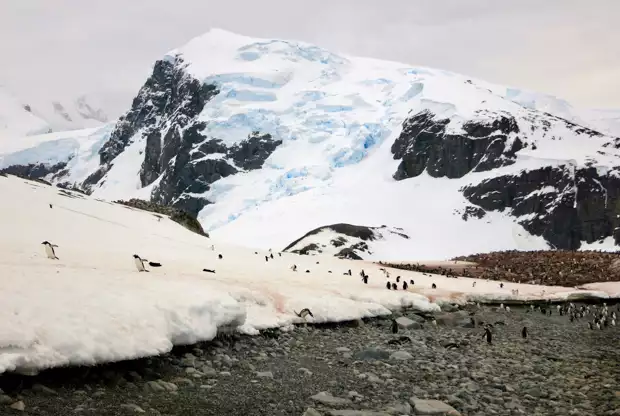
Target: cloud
568 48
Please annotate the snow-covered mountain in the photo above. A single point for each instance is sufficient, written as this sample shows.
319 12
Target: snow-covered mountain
17 119
266 140
21 116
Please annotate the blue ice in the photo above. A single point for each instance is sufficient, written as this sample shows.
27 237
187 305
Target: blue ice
246 95
245 79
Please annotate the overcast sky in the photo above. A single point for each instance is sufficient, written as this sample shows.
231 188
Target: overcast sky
568 48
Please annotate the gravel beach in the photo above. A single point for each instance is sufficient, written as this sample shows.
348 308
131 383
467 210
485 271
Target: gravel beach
358 368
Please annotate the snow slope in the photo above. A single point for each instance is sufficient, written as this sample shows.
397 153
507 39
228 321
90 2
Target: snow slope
337 118
92 305
15 120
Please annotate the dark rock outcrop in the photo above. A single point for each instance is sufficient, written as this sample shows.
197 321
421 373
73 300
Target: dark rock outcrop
170 99
348 249
565 205
34 170
177 152
185 219
424 144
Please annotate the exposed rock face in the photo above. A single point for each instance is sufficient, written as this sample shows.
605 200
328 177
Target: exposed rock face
564 204
424 144
186 161
170 99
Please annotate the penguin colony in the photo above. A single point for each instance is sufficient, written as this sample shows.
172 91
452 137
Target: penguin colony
598 317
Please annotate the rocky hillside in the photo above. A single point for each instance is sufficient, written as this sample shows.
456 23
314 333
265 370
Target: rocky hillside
345 241
264 140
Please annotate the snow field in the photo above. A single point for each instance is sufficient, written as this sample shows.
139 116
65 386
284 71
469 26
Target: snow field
92 305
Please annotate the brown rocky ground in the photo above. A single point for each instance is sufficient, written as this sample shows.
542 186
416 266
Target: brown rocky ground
553 268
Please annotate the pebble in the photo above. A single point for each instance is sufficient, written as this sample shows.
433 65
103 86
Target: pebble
304 371
327 399
433 407
133 408
401 355
19 406
264 374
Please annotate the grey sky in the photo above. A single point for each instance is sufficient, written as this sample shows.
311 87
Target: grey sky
569 48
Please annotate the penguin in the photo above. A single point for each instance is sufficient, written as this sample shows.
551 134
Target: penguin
507 308
388 286
271 255
349 272
394 286
307 271
524 332
394 326
50 205
488 335
411 282
473 284
49 250
219 256
212 247
279 254
397 279
266 258
501 306
405 286
304 313
208 270
501 285
294 268
365 279
139 263
434 286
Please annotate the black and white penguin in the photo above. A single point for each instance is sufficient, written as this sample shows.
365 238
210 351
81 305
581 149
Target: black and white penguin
208 270
365 279
388 286
294 267
524 332
411 282
307 271
434 286
501 285
397 278
473 284
405 286
219 256
488 335
279 254
394 286
304 313
50 205
266 258
139 262
394 326
349 272
271 255
49 250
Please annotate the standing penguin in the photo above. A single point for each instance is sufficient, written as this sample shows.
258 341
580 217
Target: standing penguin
271 255
49 250
394 326
139 263
524 332
434 286
394 286
266 258
219 256
294 268
411 282
398 278
405 286
365 279
388 286
488 335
